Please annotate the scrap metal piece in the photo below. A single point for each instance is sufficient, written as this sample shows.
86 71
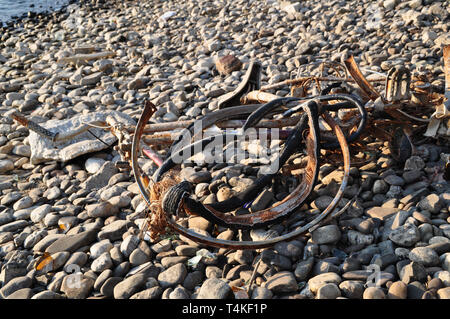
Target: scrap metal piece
291 235
359 78
447 79
400 145
282 208
443 109
32 126
230 243
251 82
397 84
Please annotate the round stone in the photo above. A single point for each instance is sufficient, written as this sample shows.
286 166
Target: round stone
352 289
326 235
328 291
282 282
320 280
215 288
374 293
102 263
406 235
397 290
424 255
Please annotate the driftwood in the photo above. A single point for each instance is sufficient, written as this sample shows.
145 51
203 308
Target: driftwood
87 57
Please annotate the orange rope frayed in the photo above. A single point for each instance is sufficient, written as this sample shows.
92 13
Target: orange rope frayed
156 219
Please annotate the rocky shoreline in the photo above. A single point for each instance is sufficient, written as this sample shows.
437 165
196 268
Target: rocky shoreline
86 214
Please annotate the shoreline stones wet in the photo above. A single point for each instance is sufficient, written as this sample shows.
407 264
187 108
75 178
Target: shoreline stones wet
87 215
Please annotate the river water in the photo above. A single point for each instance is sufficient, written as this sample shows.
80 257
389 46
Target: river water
11 8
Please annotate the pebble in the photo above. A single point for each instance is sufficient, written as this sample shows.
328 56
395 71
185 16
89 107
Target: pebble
282 282
14 285
215 288
47 294
104 275
425 256
186 250
179 293
193 279
79 289
128 245
172 276
24 293
6 166
443 277
138 257
374 293
397 290
103 209
413 272
93 164
102 263
121 269
326 234
444 293
71 243
406 235
115 230
414 163
292 249
357 238
318 281
262 201
381 213
415 290
261 293
129 286
100 248
328 291
431 203
303 269
151 293
352 289
107 288
39 213
23 203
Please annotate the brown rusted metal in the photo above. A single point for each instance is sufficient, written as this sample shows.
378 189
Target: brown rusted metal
251 81
406 100
34 126
398 84
290 202
359 78
447 76
148 111
277 208
291 235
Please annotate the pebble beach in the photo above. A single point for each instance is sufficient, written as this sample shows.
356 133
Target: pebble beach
86 214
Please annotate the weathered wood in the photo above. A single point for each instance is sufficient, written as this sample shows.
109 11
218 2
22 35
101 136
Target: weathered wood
87 57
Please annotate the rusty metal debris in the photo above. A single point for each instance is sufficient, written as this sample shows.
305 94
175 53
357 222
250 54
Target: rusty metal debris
251 82
324 113
177 200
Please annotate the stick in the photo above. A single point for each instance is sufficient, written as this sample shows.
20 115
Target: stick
87 57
